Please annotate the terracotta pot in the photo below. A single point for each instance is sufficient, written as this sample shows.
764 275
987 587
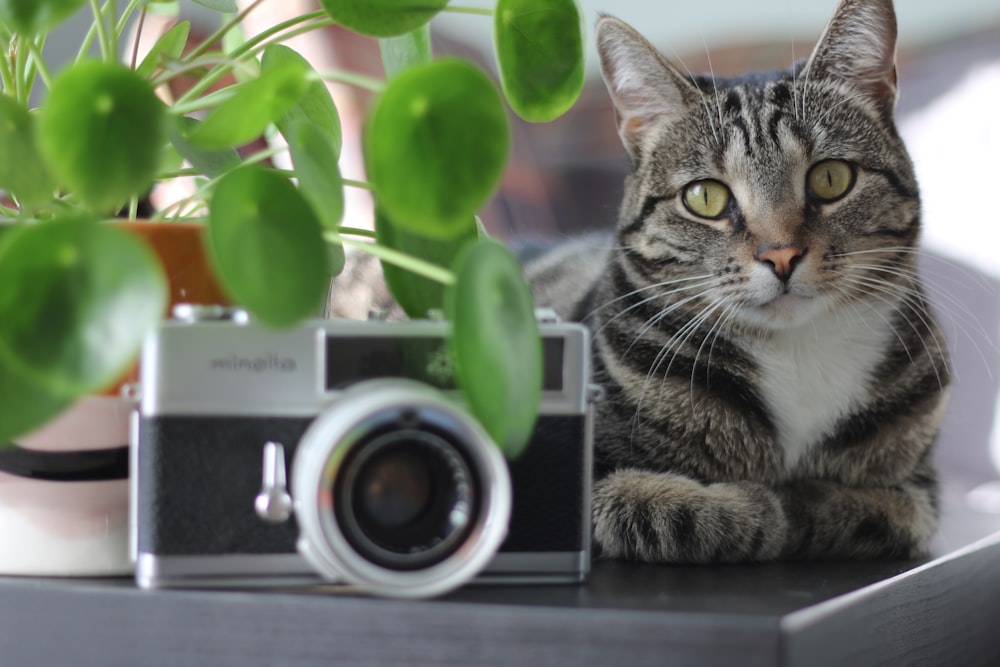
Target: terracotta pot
182 253
64 488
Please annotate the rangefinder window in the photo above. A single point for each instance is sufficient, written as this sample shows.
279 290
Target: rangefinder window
422 358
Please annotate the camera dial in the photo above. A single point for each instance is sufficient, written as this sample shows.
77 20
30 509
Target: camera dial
399 491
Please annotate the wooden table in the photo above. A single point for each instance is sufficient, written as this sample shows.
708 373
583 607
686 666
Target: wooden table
941 611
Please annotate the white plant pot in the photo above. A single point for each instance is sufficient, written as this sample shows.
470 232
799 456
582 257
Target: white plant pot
68 528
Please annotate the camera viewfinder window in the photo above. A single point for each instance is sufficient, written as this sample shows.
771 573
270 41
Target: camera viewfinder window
350 359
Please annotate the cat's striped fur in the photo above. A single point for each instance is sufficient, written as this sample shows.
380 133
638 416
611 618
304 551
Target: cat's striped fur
775 378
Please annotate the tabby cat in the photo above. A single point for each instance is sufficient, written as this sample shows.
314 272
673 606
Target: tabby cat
775 378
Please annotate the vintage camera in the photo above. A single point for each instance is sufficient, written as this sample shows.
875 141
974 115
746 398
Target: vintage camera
338 451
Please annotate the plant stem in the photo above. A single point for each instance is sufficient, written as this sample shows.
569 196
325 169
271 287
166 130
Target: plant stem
352 79
201 194
362 185
138 35
253 46
206 45
110 12
88 40
6 73
357 231
107 50
480 11
222 67
177 173
21 74
211 100
257 40
126 15
402 260
38 63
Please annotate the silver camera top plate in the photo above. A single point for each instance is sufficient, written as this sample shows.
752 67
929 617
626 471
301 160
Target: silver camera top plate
223 367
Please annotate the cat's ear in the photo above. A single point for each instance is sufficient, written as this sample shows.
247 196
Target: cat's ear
859 49
645 88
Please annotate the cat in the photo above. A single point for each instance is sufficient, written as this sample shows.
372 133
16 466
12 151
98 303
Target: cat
775 377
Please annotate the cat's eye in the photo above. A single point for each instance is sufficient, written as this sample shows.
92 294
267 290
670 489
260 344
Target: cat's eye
707 199
830 180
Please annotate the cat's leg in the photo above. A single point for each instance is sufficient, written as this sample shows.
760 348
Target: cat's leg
827 519
663 517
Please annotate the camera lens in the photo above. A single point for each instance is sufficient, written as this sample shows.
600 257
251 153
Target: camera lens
406 498
399 491
394 490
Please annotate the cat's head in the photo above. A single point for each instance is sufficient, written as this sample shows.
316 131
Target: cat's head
791 192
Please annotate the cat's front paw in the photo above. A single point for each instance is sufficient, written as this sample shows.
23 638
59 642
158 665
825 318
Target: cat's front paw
661 517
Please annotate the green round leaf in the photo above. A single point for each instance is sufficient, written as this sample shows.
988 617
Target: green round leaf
24 405
30 17
267 246
254 105
336 258
101 132
402 51
436 145
540 52
496 343
315 105
315 160
212 162
22 171
76 299
382 18
416 294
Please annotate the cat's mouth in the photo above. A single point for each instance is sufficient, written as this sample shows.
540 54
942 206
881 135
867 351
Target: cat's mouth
787 309
787 300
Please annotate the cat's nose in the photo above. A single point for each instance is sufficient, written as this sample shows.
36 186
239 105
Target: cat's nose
782 259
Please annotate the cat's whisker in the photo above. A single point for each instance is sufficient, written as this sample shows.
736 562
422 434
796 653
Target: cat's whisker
793 86
855 303
660 295
660 315
893 297
704 102
715 85
727 317
909 291
929 259
713 334
674 342
681 338
805 76
969 327
857 98
941 296
654 286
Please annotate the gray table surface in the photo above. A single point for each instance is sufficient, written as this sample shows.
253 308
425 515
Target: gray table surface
942 610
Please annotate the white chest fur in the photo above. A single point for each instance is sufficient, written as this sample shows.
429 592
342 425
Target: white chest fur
814 375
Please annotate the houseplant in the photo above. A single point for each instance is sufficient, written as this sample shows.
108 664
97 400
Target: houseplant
77 296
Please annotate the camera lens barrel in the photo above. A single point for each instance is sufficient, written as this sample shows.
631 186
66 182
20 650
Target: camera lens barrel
399 491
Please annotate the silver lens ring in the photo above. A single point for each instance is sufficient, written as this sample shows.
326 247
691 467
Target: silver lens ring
347 533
